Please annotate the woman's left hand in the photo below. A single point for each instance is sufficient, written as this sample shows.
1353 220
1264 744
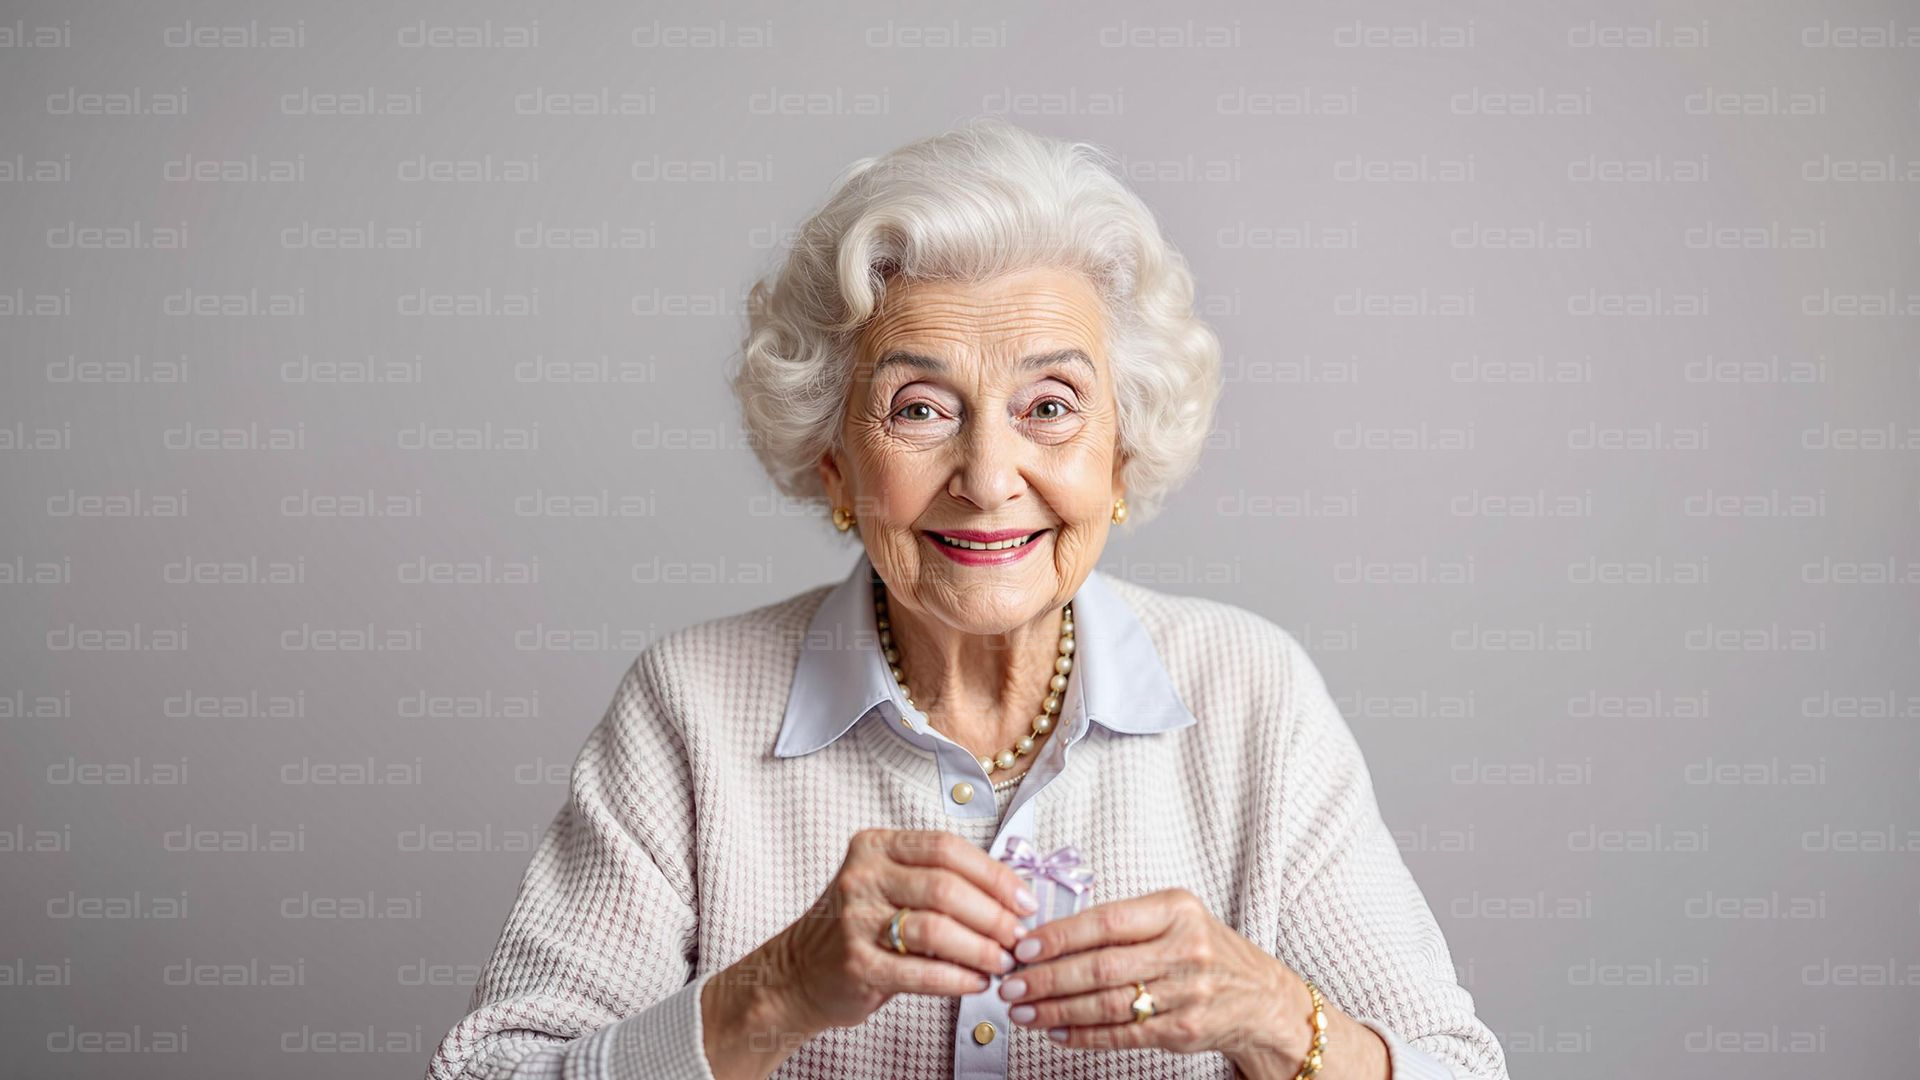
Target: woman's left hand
1212 988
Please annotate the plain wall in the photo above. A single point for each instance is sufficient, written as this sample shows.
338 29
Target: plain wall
1570 423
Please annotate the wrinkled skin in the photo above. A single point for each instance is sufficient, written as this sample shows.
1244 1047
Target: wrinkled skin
988 444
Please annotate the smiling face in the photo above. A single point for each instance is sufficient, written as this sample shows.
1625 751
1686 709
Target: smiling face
981 411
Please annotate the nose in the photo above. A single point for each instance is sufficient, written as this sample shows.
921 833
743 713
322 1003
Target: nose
988 473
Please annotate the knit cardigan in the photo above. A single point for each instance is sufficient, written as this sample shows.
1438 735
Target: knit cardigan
685 842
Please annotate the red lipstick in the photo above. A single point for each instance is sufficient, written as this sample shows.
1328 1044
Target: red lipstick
975 557
980 537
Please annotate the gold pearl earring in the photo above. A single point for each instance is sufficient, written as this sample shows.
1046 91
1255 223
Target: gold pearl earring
842 518
1120 510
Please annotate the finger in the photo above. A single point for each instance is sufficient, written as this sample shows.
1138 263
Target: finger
1116 922
898 974
952 895
1087 972
931 847
1112 1005
1128 1036
937 934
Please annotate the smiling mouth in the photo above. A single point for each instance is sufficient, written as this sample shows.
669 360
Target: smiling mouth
997 545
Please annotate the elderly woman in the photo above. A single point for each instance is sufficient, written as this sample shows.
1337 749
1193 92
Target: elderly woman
787 850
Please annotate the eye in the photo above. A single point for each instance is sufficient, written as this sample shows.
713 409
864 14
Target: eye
1060 414
917 405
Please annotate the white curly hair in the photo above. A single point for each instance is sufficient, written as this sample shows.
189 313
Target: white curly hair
985 198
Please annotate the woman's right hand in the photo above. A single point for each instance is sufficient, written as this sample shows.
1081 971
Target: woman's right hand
834 959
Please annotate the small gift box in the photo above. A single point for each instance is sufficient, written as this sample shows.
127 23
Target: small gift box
1058 880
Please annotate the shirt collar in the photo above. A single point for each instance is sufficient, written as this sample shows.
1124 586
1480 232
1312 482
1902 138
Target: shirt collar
841 676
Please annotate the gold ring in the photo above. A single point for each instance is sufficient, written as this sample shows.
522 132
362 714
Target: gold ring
1142 1003
896 931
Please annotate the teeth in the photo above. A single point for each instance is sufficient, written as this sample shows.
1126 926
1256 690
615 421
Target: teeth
975 545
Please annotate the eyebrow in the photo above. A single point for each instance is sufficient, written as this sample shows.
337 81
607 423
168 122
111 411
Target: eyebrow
1057 358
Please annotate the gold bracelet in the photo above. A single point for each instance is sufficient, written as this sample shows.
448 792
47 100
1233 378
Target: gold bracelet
1317 1052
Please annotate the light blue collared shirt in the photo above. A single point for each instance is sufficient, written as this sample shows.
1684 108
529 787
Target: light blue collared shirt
1117 682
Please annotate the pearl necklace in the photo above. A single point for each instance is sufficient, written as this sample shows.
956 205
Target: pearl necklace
1057 685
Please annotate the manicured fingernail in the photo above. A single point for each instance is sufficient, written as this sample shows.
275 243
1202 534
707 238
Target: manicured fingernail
1006 960
1057 1034
1020 930
1026 898
1013 988
1027 949
1022 1014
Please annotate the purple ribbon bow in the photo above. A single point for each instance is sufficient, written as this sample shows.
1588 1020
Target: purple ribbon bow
1062 867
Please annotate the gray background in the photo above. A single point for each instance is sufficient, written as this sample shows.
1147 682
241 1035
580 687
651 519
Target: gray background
1605 544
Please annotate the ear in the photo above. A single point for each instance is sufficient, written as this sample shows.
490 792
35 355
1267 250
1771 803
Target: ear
831 478
1120 460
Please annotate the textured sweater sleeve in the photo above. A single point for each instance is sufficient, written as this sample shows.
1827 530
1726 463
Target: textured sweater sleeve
590 977
1354 919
